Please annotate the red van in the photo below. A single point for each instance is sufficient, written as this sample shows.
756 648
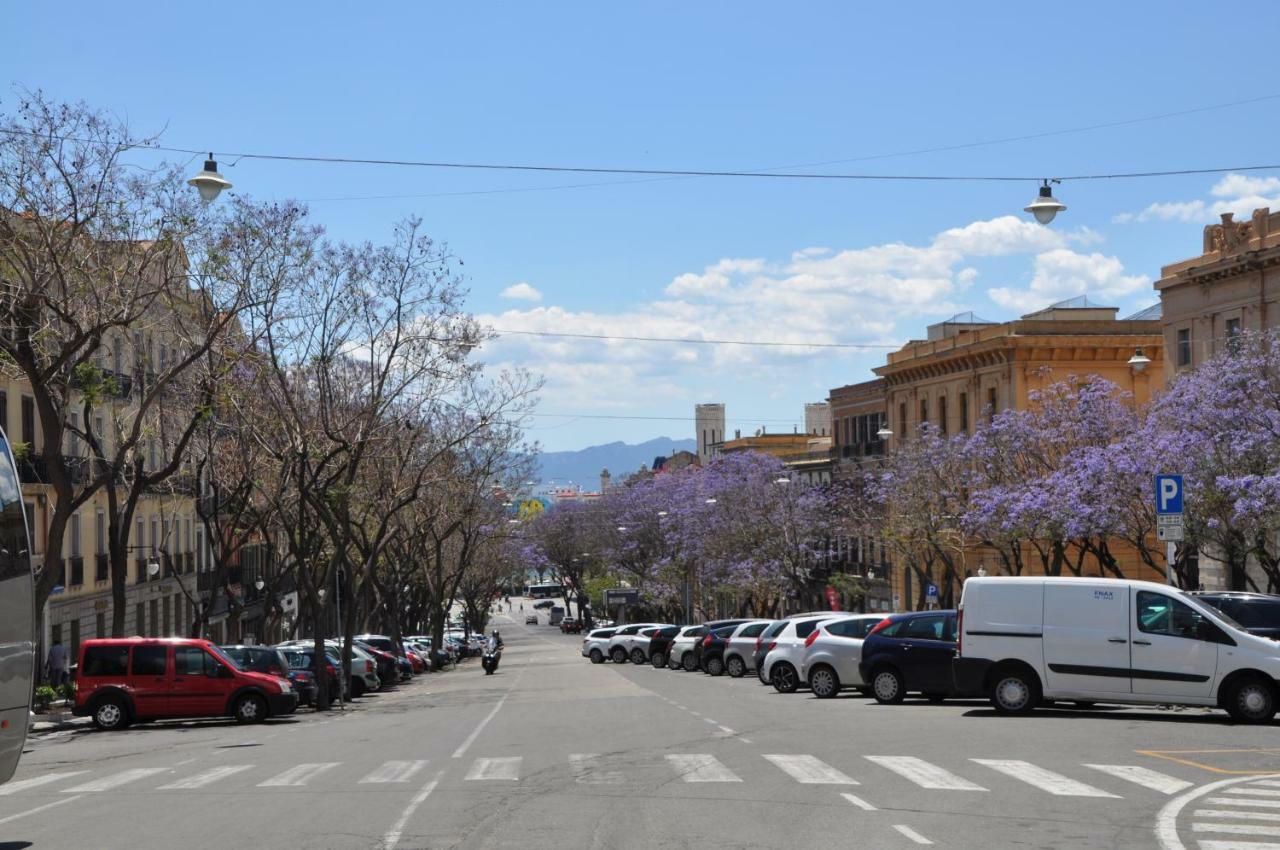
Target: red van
120 680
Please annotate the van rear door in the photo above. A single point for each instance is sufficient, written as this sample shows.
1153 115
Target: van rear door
1086 637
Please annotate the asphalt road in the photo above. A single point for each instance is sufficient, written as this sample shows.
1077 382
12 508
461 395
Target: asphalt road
553 751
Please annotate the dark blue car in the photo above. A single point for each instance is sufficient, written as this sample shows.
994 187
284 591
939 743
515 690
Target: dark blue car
910 653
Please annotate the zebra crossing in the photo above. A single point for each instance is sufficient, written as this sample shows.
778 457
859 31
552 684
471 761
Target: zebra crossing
1237 817
962 776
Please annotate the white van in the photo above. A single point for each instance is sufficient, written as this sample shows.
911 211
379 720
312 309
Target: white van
1108 640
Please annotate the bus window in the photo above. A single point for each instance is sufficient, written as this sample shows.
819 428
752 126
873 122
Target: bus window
17 616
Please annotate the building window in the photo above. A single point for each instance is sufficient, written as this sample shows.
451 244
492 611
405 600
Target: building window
991 402
4 411
155 536
902 419
73 442
1184 347
924 412
1233 335
140 619
942 415
117 356
75 535
964 413
29 422
200 549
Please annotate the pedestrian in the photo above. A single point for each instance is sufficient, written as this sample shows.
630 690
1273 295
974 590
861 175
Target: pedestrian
57 664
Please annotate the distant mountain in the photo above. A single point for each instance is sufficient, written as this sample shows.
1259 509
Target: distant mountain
583 466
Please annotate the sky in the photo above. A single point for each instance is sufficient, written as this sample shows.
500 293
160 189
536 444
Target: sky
883 89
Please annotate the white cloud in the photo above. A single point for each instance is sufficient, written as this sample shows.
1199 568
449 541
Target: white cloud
714 279
1063 273
1236 193
521 292
998 237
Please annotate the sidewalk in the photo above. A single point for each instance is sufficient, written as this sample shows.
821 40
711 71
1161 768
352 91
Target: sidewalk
55 720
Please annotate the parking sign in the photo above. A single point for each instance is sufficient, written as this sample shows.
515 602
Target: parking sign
931 593
1168 494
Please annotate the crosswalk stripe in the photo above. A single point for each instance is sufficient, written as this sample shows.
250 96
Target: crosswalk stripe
924 774
808 770
209 777
701 767
394 771
1236 828
1254 792
588 770
496 768
1238 845
1270 783
1144 776
1045 780
1240 801
37 781
1232 813
299 774
115 780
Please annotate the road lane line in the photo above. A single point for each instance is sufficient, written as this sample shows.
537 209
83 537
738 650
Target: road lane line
496 768
924 774
299 774
1146 777
36 781
394 771
588 769
38 809
475 733
115 780
209 777
911 833
392 838
808 770
859 802
1045 780
702 767
1233 813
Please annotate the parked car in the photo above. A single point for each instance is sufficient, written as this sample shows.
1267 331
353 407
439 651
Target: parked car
680 656
624 640
270 660
545 603
739 651
571 625
910 653
660 644
556 616
833 652
764 643
701 645
781 664
596 644
1109 640
120 680
388 665
364 670
302 659
531 619
711 650
1256 613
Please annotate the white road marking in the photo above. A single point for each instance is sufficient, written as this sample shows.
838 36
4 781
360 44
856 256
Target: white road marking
745 740
395 771
809 770
392 838
1045 780
702 767
299 774
925 774
115 780
1241 801
36 781
1270 783
1167 818
207 778
1255 792
1146 777
497 768
709 720
589 770
911 833
1238 845
475 733
38 809
1233 813
859 802
727 730
1236 828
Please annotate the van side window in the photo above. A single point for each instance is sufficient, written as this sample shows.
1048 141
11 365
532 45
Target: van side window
105 661
150 660
191 661
1162 615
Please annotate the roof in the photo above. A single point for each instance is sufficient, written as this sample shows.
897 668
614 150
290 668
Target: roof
1147 314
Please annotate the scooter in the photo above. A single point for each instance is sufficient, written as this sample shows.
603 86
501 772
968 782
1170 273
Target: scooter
489 661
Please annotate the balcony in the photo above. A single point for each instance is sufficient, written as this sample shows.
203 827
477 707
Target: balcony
114 384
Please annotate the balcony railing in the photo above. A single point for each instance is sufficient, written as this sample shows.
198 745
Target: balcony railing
121 383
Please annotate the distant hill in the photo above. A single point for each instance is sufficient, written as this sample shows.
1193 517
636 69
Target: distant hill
583 466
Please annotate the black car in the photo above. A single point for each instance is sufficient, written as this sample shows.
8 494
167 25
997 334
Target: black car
701 644
660 644
546 603
385 663
300 660
1257 613
711 656
910 652
269 660
764 644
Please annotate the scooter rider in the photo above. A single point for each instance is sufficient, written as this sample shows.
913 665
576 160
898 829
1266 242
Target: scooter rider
492 653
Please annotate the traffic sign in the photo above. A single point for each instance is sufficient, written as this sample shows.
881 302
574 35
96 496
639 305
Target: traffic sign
1168 494
621 596
1170 528
931 593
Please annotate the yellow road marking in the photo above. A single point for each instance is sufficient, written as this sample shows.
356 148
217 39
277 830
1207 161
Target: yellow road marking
1175 756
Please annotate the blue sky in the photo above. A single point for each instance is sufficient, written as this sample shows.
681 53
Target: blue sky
707 86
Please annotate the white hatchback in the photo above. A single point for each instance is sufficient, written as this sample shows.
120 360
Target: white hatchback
832 653
681 653
781 666
740 648
627 639
595 643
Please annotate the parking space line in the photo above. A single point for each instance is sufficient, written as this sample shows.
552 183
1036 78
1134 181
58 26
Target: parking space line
911 833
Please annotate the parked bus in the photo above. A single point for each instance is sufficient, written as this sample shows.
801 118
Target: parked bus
543 591
17 616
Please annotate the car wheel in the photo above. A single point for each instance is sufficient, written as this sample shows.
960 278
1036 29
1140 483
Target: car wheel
597 657
637 656
887 686
619 655
784 678
357 687
1250 700
715 666
659 660
735 667
110 714
689 663
251 708
1015 691
824 682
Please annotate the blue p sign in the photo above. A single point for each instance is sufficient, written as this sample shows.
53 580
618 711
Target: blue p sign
1168 494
